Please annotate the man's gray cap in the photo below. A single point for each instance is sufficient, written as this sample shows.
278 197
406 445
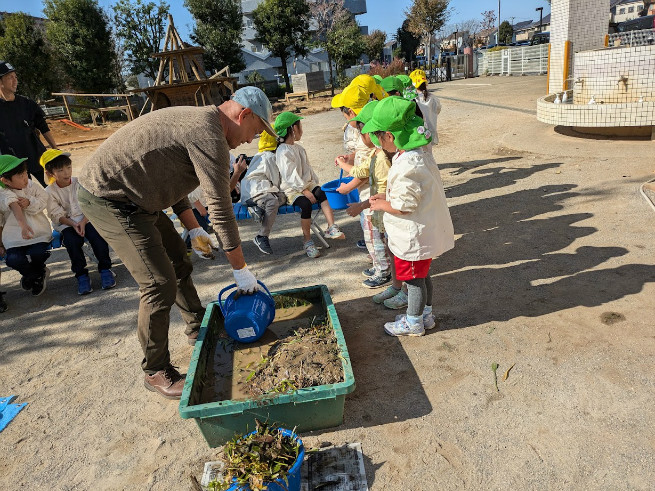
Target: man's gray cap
254 99
5 68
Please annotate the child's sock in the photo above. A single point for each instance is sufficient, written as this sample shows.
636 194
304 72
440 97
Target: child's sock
413 320
427 310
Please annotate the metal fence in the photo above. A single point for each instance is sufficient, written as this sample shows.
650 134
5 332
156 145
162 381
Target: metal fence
644 37
516 61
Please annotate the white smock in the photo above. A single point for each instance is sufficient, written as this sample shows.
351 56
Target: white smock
430 110
414 186
296 174
34 216
63 203
263 177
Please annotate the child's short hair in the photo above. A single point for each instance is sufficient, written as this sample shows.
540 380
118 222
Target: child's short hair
19 169
58 163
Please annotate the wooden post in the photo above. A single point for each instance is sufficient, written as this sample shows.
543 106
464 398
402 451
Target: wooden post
567 65
67 108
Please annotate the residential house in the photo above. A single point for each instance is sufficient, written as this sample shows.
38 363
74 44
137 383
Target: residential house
622 10
486 37
525 32
387 51
259 59
520 31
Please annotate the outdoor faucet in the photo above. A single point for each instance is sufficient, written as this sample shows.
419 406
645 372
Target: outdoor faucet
579 80
623 79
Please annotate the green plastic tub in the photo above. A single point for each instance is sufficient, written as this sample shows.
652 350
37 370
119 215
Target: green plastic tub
307 409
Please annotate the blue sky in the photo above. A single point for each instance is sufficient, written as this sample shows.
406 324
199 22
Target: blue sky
386 15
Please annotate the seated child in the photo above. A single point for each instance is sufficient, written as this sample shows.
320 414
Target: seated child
261 188
3 253
416 217
26 232
238 167
196 197
299 181
67 218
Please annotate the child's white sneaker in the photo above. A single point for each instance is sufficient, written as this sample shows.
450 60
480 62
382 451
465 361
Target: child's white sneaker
404 326
311 249
390 292
397 302
429 322
333 232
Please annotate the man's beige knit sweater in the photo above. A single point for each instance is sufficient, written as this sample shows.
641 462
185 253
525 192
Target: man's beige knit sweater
158 159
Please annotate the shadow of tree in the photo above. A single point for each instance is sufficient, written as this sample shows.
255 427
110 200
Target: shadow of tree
461 167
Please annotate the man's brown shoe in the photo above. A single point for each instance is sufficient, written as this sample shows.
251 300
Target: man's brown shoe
168 382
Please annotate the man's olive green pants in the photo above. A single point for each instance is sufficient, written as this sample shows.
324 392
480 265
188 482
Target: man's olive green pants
156 256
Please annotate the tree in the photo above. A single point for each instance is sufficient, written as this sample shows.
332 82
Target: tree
505 33
374 44
407 40
23 44
140 29
218 29
345 43
325 14
79 33
425 18
283 27
488 19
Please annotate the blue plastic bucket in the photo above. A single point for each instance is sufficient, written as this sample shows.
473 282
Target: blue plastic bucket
337 200
247 316
293 476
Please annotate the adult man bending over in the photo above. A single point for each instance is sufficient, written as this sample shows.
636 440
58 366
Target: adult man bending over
148 165
20 117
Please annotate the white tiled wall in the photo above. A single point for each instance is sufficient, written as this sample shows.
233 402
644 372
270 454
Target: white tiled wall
615 75
577 21
595 115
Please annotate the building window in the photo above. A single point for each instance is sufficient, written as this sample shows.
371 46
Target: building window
631 9
622 11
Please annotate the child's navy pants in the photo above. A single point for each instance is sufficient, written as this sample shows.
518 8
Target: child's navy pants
29 260
73 244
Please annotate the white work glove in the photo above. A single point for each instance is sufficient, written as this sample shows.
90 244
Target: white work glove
245 280
202 243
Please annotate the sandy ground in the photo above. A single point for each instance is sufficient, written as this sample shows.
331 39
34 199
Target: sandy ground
552 273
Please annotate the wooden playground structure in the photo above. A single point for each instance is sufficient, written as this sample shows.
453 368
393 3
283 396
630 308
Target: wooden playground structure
181 79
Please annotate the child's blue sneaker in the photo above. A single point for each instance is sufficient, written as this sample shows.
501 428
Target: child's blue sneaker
404 327
84 284
107 278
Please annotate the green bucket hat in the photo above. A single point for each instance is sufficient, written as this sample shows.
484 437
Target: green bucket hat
392 83
405 80
7 163
378 78
284 121
398 116
365 116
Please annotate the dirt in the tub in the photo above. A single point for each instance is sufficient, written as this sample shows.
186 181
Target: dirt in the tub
298 350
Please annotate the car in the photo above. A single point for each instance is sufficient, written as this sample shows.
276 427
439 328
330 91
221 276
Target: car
638 24
540 38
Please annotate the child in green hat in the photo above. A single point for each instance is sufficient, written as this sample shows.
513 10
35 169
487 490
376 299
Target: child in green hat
26 232
416 217
299 181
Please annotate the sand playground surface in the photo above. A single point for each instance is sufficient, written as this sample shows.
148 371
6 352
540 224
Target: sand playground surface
553 274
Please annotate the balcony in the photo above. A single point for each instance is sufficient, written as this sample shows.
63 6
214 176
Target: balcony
357 7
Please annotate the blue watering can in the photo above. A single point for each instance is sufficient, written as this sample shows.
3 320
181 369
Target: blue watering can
247 316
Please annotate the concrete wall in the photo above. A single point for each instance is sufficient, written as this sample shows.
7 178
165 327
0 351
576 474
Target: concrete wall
573 20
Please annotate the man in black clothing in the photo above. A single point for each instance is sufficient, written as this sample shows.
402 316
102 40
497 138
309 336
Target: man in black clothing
20 117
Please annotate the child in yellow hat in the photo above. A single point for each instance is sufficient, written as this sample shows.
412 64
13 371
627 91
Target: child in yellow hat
260 190
299 181
69 220
428 104
416 216
26 233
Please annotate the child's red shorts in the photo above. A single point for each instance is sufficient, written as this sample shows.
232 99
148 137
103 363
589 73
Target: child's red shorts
409 270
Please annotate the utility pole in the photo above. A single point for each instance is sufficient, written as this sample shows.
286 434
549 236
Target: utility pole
498 32
541 16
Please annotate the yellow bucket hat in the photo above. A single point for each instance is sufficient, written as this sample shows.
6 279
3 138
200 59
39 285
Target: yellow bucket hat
267 143
50 155
371 85
418 77
353 97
